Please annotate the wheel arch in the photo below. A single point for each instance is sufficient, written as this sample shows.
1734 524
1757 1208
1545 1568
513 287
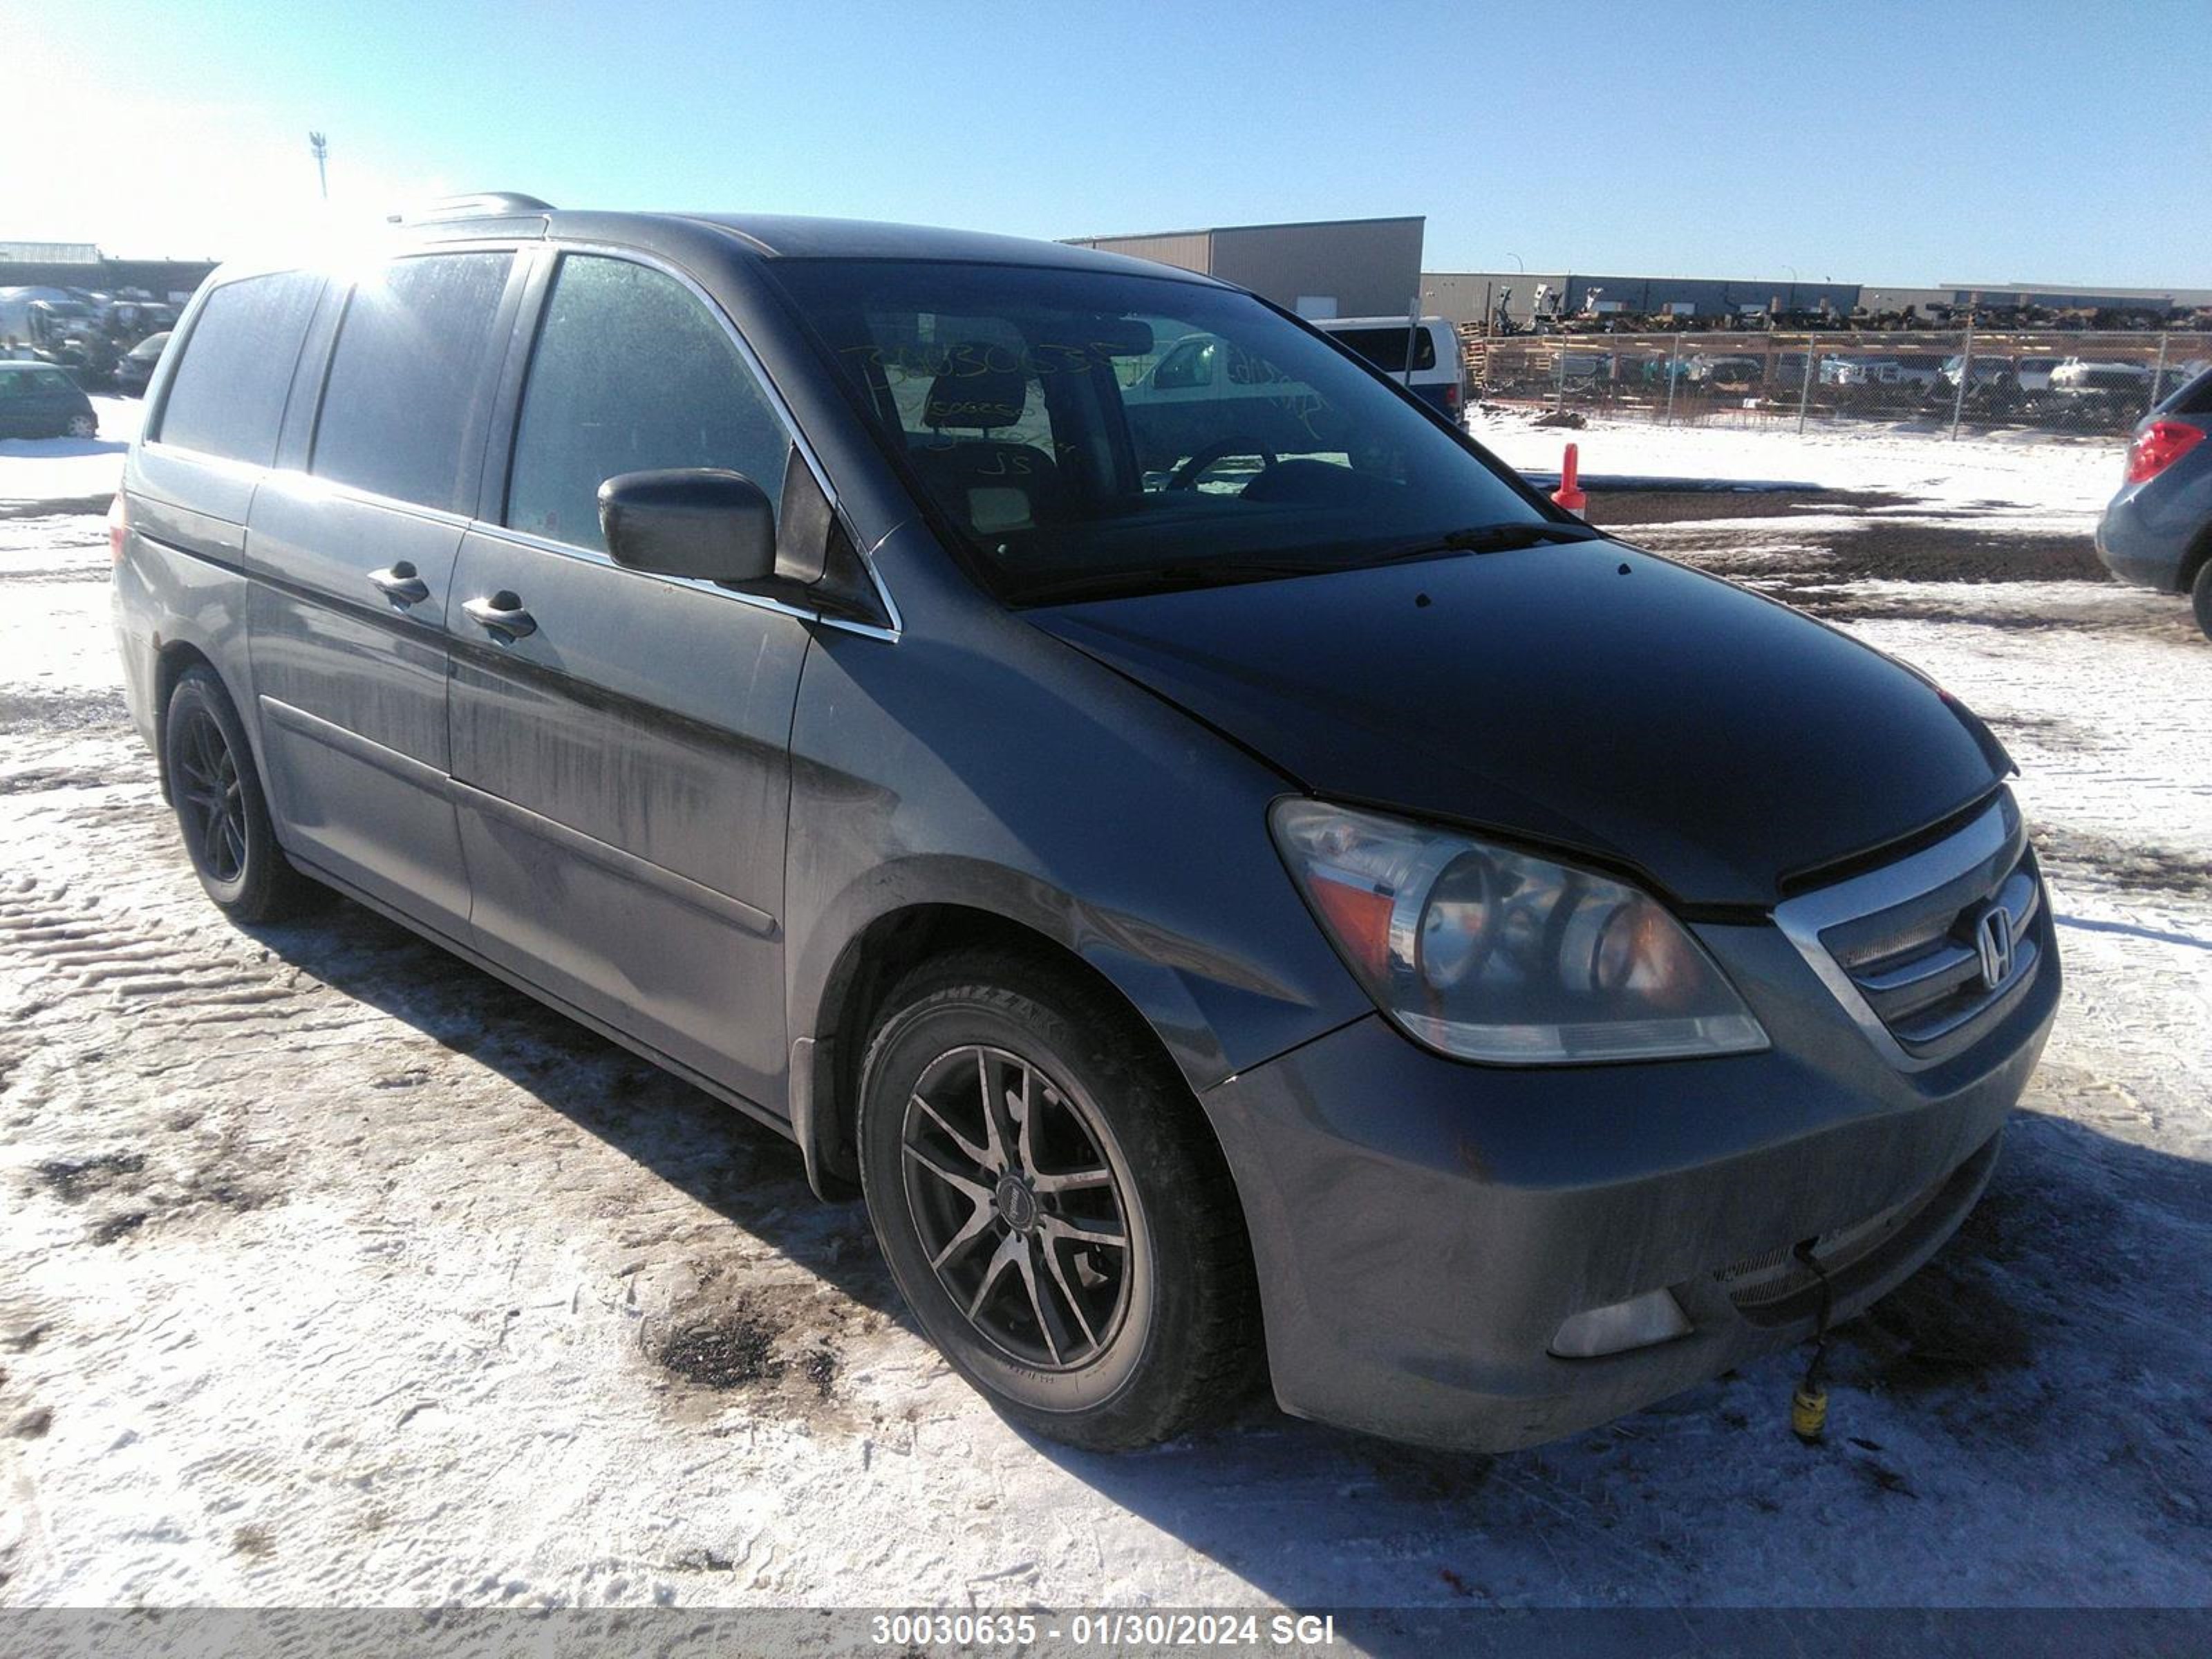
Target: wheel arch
2199 555
172 661
826 1058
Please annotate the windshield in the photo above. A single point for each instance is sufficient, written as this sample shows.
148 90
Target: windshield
1096 433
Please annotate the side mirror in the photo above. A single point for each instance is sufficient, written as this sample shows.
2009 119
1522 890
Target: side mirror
703 522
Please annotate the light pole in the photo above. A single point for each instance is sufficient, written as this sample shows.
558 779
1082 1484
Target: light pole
321 147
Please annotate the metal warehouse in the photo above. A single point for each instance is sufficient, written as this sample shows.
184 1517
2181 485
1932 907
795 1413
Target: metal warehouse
1319 267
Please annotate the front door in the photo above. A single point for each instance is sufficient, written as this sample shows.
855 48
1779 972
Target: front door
620 741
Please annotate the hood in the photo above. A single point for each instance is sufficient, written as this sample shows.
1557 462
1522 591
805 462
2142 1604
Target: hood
1590 697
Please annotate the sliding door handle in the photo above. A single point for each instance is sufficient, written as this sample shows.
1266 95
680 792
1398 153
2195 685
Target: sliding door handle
400 584
502 613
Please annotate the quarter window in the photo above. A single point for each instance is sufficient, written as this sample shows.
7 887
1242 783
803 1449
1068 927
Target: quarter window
404 403
227 397
631 374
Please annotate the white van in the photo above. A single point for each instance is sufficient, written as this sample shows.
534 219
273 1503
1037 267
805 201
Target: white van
1383 341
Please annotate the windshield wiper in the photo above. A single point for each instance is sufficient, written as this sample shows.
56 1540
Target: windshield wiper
1221 573
1483 538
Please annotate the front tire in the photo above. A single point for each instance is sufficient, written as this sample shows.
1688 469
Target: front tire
220 809
1053 1204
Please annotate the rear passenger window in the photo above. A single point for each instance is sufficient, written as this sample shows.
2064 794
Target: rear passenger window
631 372
1385 348
227 397
405 403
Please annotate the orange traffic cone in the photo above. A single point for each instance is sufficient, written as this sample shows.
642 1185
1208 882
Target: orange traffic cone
1570 494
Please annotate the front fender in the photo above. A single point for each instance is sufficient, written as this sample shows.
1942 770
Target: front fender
1001 771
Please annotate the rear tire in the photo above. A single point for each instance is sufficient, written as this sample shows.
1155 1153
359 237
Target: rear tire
220 809
2200 598
1007 1137
82 425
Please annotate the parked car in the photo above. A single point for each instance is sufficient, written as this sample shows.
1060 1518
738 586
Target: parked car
135 368
2082 376
2157 531
2034 374
1984 371
1920 374
1368 915
1433 374
39 400
1856 371
1573 365
1723 371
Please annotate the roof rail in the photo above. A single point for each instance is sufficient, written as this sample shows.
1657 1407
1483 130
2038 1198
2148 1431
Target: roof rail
481 204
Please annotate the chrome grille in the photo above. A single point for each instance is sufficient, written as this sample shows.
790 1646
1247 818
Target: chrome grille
1926 954
1934 980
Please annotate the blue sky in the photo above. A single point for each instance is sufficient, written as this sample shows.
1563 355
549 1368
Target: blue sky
1955 140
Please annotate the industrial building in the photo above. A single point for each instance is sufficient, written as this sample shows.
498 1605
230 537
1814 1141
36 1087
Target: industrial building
83 267
1319 267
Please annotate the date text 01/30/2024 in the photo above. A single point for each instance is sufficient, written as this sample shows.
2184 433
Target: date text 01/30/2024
1108 1630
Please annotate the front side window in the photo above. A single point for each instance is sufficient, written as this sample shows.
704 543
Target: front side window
631 372
227 397
410 381
1097 433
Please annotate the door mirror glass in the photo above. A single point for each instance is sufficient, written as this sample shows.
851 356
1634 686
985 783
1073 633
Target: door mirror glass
705 523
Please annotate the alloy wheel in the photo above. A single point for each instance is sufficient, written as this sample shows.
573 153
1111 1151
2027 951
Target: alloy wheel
211 798
1019 1205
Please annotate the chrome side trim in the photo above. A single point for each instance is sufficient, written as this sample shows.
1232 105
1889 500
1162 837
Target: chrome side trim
1805 918
697 895
711 900
352 744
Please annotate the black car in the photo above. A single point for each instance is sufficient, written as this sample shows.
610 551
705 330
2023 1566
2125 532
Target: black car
1239 883
39 400
135 368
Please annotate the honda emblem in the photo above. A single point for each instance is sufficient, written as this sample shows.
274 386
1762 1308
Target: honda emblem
1993 943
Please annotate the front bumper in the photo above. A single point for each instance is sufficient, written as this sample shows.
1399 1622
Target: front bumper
1423 1227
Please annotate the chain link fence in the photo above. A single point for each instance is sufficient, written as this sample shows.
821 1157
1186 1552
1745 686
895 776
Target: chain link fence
2064 383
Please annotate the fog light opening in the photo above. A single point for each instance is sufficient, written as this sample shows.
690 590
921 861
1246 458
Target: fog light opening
1638 1322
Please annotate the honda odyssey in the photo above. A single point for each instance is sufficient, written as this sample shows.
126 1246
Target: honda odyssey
1241 886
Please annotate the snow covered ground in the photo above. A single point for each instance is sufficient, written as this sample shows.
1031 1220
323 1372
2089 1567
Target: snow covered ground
2015 472
334 1272
70 471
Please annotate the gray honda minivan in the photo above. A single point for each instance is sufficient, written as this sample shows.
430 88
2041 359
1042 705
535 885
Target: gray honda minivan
1241 884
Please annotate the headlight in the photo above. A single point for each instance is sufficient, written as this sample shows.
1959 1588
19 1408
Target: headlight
1488 953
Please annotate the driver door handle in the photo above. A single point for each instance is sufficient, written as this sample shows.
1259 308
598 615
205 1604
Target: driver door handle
400 584
502 613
